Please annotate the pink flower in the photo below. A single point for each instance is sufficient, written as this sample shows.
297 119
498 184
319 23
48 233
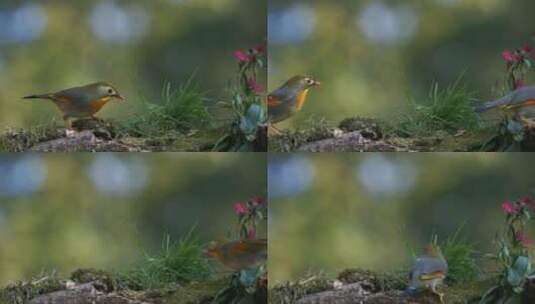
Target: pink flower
527 48
254 86
523 239
242 56
519 83
260 49
259 201
240 209
251 234
509 208
528 200
510 57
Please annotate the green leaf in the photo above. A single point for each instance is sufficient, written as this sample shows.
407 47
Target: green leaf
522 266
514 127
237 101
254 117
513 278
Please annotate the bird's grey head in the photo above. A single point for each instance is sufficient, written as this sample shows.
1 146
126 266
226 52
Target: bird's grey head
106 90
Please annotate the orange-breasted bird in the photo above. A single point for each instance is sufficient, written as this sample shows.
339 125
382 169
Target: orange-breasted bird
521 101
239 255
522 97
81 102
289 98
428 271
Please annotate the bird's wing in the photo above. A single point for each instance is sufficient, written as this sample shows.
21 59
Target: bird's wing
247 247
430 265
273 101
432 276
77 95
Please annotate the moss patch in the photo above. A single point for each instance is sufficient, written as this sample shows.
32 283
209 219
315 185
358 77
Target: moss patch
22 292
290 292
108 136
197 292
372 135
380 288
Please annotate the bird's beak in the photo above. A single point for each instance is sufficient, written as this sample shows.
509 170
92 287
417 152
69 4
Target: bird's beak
316 83
119 96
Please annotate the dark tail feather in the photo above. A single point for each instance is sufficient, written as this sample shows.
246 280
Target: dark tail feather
45 96
410 291
492 104
482 108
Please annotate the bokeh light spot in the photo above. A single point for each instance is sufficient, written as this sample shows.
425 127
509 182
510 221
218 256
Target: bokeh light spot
387 177
24 24
291 25
386 25
117 24
21 176
289 177
118 176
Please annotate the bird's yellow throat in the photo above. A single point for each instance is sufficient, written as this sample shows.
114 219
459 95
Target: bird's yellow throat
301 98
99 103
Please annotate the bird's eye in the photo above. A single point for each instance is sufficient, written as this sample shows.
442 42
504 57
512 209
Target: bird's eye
110 91
309 81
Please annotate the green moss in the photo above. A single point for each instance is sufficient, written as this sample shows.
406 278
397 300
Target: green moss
19 140
290 292
198 292
81 276
368 127
313 130
376 130
386 287
22 292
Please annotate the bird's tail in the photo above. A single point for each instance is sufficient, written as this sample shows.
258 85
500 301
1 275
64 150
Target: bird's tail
43 96
410 291
492 104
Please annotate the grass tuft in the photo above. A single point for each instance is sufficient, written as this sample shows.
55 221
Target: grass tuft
461 257
177 262
179 111
448 109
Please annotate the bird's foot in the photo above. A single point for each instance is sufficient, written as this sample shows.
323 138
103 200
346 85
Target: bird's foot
70 132
441 297
275 130
99 120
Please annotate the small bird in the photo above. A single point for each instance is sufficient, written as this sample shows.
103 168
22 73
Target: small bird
428 271
522 97
239 255
81 102
289 98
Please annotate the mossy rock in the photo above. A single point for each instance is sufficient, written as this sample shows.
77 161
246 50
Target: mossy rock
198 292
371 135
109 280
22 292
369 287
103 136
368 127
290 292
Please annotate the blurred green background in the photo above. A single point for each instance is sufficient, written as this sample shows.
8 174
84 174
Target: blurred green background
67 212
136 45
338 211
371 54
